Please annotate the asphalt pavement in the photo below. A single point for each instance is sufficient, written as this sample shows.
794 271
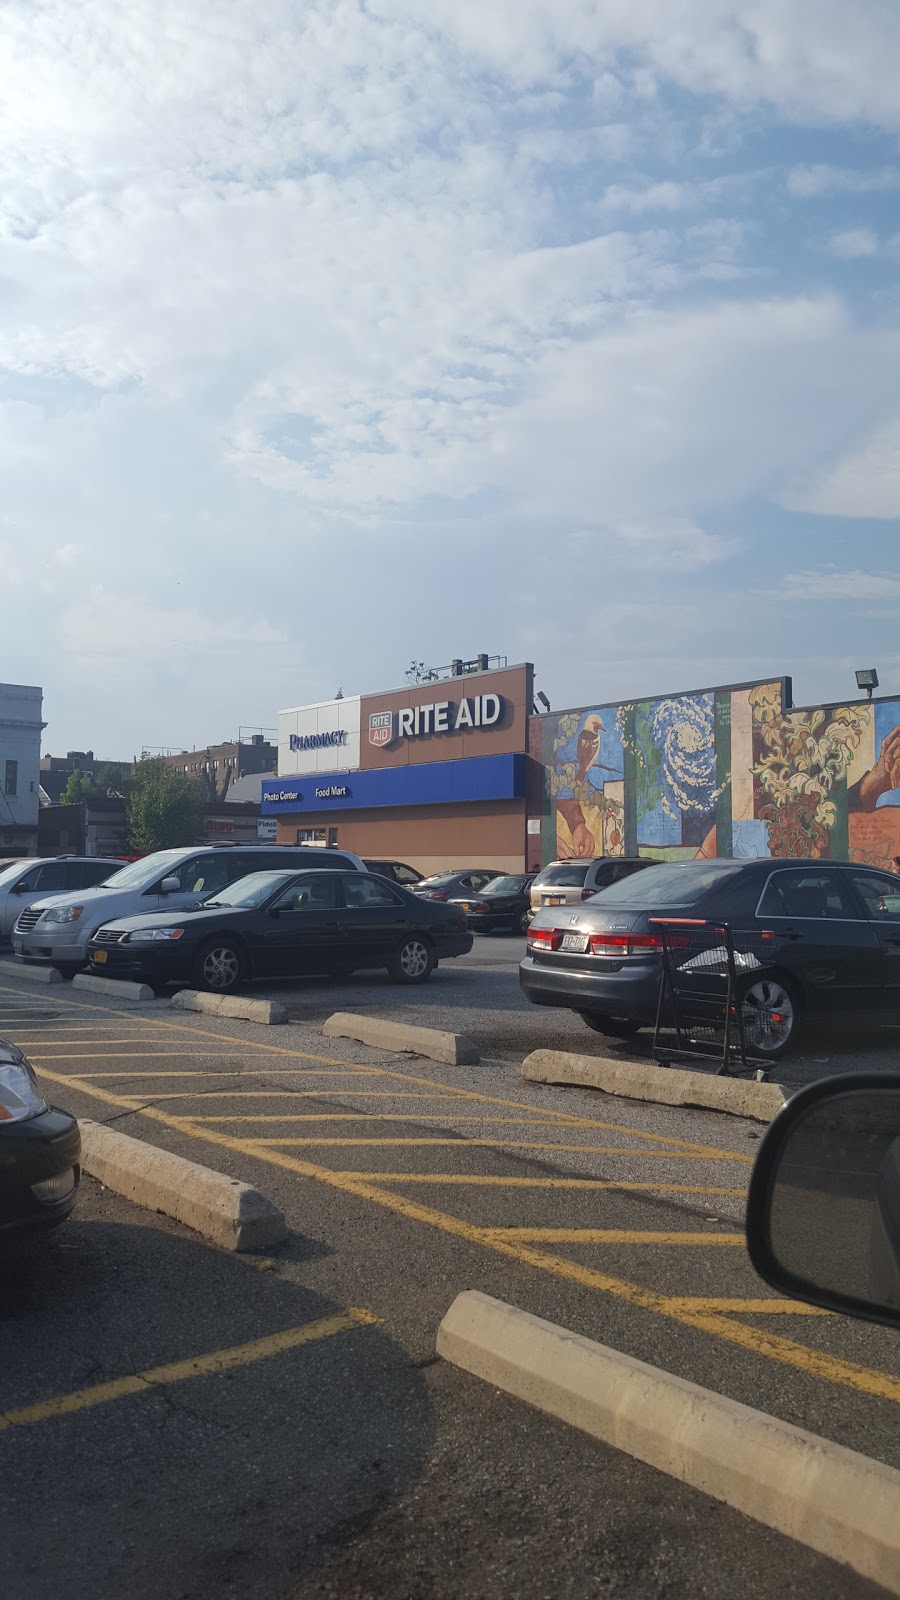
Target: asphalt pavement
354 1463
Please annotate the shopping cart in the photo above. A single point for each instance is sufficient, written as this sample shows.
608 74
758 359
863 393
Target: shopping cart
707 968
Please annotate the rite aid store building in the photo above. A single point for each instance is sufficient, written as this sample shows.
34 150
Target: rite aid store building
434 774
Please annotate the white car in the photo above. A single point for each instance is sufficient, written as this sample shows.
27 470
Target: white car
35 877
56 931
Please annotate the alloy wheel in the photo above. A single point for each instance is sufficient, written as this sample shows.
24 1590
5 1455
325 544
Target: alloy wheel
414 959
221 967
768 1015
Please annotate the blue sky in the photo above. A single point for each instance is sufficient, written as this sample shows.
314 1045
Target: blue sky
335 335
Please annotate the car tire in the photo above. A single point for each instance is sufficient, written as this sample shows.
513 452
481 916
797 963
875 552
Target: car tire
771 1008
522 923
610 1027
413 961
68 969
220 966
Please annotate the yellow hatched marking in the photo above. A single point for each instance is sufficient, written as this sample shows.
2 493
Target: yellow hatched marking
819 1363
769 1308
463 1142
616 1236
239 1355
522 1183
409 1116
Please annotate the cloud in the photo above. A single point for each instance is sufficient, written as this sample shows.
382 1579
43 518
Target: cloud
823 181
876 587
853 244
865 483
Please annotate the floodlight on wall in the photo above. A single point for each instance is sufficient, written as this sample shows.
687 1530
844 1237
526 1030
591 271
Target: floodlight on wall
543 699
867 678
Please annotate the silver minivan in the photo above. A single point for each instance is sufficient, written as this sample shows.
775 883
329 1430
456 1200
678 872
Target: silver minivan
35 877
56 931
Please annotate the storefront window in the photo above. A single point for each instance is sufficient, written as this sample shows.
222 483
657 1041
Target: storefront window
314 836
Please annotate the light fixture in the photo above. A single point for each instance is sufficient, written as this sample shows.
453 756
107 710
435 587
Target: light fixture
543 699
867 678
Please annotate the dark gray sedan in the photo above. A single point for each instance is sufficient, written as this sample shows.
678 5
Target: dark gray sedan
831 933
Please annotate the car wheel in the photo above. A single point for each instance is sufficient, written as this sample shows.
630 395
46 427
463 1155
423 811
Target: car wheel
219 966
611 1027
770 1011
522 922
413 962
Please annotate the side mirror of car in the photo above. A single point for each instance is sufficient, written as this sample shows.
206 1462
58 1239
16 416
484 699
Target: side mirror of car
823 1211
170 885
17 888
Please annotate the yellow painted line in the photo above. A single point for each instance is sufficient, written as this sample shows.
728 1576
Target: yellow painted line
134 1055
413 1116
615 1236
239 1355
464 1142
237 1072
769 1308
818 1363
515 1183
567 1117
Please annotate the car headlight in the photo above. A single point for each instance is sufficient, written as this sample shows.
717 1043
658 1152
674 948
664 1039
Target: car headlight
63 913
151 935
19 1097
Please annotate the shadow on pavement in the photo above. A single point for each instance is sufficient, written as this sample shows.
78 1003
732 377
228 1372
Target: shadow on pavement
234 1483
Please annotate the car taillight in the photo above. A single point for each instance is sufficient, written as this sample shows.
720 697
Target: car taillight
623 944
586 894
479 906
544 938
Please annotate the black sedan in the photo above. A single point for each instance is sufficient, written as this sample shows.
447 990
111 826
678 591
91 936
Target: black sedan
40 1152
503 903
456 883
826 937
282 925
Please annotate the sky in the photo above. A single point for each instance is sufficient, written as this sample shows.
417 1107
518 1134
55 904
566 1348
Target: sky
336 335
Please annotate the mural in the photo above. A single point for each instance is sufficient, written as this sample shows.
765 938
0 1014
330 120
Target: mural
724 772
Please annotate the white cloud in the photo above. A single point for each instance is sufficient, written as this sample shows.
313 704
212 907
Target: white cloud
823 181
877 587
853 244
865 483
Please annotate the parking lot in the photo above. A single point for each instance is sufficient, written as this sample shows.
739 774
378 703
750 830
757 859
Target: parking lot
404 1182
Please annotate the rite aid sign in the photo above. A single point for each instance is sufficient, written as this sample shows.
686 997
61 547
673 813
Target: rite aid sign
442 716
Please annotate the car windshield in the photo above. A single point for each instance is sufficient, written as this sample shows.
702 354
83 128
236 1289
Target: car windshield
567 874
668 884
9 873
510 885
252 890
138 874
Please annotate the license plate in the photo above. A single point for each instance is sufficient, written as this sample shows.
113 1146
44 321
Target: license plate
99 958
553 900
575 941
466 905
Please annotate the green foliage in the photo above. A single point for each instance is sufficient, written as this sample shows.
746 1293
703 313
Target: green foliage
80 786
163 807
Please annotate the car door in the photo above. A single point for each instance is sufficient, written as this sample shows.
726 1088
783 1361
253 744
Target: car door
880 894
823 934
303 931
375 919
40 881
199 878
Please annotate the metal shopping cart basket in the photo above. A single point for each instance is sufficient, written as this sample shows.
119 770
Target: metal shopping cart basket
702 1013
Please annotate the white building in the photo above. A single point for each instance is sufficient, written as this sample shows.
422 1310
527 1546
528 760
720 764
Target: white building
20 766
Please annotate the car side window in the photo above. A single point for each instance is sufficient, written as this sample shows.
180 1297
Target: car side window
53 875
808 894
479 879
880 896
201 875
406 875
29 882
371 892
310 894
86 873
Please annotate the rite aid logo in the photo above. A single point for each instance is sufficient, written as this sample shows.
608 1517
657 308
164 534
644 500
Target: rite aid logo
381 727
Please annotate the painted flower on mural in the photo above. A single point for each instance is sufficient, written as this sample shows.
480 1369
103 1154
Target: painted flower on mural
564 780
567 727
765 702
806 754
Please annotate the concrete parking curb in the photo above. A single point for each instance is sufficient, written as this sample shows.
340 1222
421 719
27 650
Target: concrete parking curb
121 988
19 969
828 1497
267 1012
645 1080
228 1213
453 1049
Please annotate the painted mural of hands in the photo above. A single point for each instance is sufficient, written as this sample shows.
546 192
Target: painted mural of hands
885 775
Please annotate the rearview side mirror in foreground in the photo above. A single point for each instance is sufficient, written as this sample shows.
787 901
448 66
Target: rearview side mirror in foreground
823 1212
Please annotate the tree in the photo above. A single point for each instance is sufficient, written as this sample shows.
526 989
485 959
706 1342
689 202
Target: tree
80 786
163 807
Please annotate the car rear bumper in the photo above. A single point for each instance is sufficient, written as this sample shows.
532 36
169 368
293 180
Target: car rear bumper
46 1146
632 991
455 944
